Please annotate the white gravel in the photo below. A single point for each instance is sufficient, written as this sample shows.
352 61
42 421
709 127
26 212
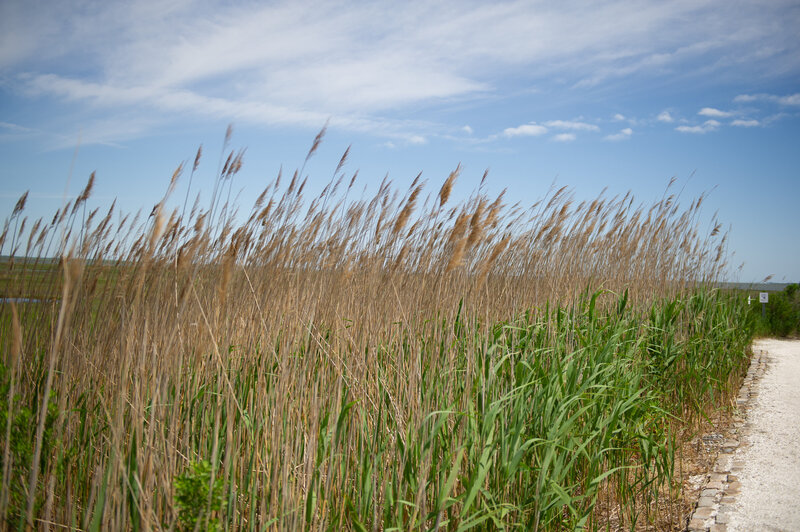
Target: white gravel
770 478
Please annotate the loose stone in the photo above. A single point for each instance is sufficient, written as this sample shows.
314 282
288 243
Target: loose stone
704 512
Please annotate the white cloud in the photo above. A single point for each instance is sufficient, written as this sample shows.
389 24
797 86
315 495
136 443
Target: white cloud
664 116
619 117
576 126
747 98
745 123
9 131
564 137
468 130
293 62
691 129
15 128
714 113
173 102
792 99
532 130
622 135
705 127
789 99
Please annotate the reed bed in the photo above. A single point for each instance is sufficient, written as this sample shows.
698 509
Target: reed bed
389 361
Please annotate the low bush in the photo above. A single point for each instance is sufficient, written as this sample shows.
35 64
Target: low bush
782 313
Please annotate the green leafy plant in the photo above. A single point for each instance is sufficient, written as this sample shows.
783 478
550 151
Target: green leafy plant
18 423
782 313
199 500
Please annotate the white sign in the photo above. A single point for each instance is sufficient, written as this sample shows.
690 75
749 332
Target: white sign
763 297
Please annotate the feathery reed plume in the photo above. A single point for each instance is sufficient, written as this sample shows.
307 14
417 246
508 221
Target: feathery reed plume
64 212
405 213
447 187
227 270
197 158
20 205
342 161
227 165
457 241
498 248
173 181
236 164
84 195
32 235
316 143
493 213
476 224
158 226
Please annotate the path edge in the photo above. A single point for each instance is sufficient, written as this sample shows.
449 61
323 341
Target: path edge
718 494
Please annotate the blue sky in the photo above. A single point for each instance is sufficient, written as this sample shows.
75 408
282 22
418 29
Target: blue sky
617 94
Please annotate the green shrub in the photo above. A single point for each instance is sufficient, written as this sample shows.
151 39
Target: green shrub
782 313
199 502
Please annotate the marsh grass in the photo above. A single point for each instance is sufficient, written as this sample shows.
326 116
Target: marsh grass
394 361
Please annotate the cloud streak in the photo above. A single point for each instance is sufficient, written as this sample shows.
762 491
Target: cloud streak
666 117
714 113
787 100
564 137
705 127
525 130
622 135
567 124
303 62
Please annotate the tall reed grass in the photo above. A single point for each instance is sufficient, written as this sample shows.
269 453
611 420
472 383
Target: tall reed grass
393 361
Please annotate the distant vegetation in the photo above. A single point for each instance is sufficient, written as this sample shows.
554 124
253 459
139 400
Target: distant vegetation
399 361
782 313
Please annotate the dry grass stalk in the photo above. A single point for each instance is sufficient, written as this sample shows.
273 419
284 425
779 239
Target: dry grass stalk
300 302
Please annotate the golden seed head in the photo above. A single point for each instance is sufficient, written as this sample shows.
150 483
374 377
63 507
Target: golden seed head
20 204
197 158
447 187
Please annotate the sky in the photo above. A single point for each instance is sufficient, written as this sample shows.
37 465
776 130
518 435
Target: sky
612 94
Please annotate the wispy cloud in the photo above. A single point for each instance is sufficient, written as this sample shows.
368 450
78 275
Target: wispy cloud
705 127
714 113
564 137
15 132
622 135
664 116
467 129
302 62
788 100
16 128
182 102
568 124
745 123
528 130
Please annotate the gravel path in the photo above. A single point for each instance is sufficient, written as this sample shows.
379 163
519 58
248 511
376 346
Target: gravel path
769 499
